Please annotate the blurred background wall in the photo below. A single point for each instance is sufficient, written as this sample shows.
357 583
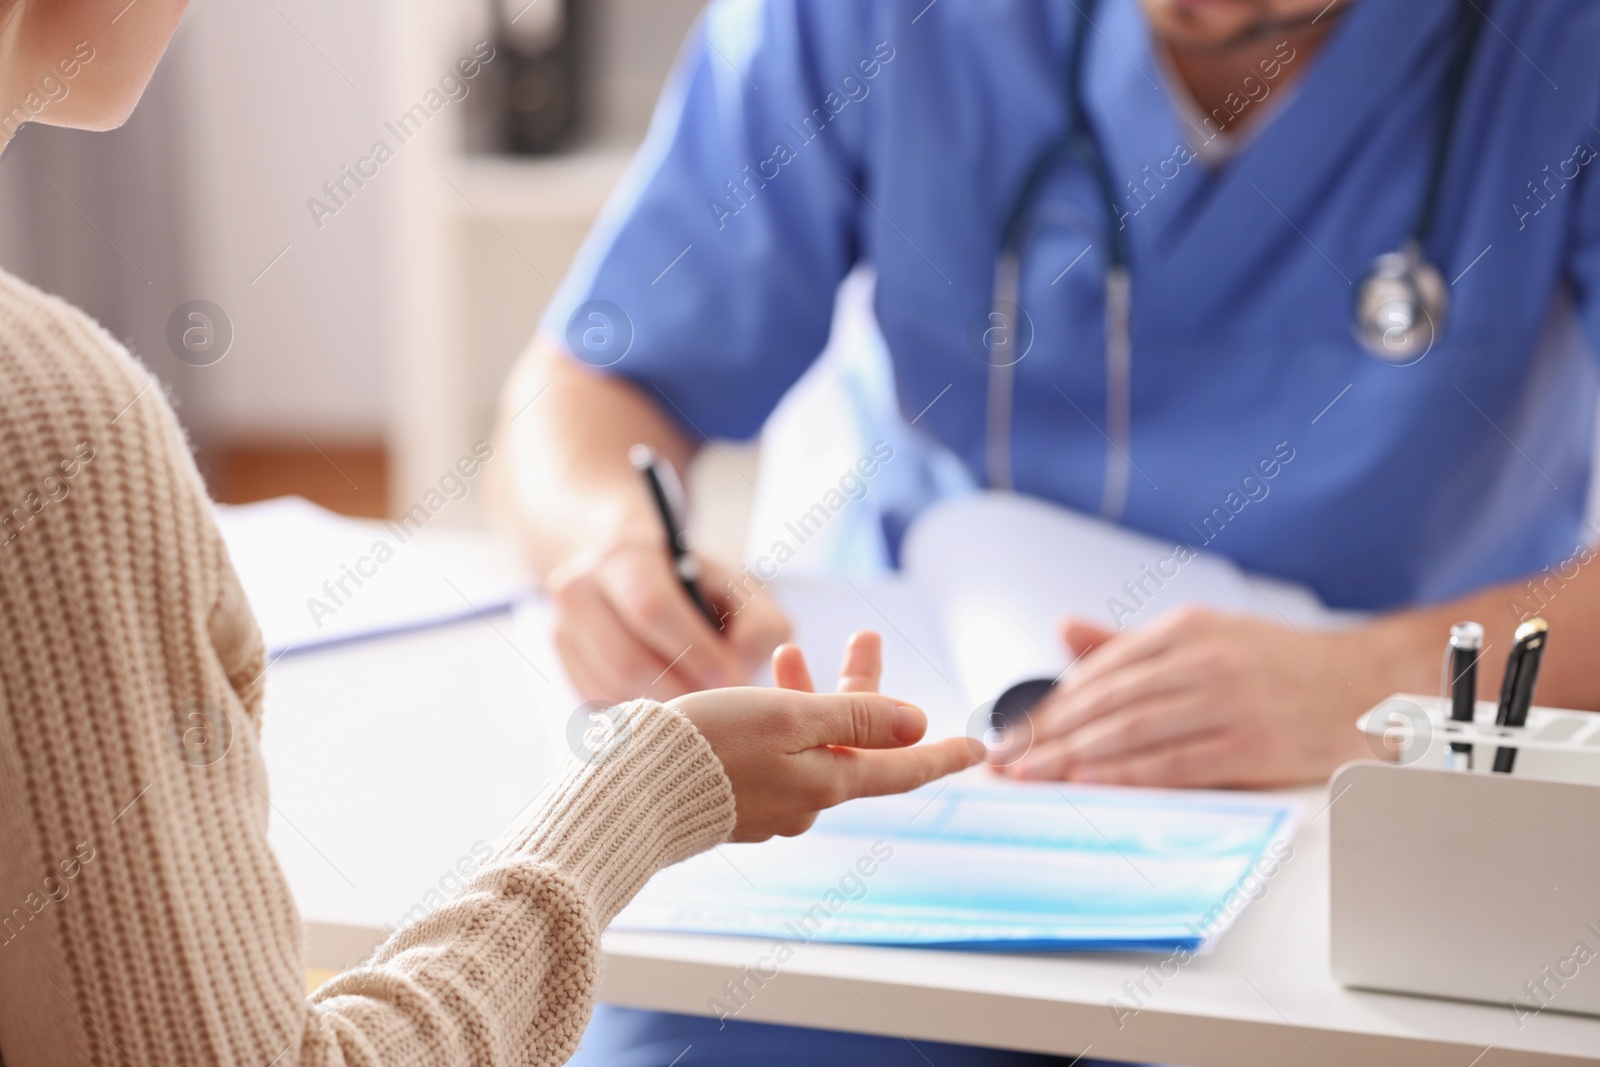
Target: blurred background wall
368 342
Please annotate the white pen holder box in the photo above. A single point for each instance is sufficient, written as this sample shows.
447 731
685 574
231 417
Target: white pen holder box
1471 885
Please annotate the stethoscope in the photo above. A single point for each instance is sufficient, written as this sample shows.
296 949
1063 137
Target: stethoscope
1400 305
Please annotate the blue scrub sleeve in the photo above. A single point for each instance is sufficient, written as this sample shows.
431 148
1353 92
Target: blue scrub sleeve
709 280
1584 157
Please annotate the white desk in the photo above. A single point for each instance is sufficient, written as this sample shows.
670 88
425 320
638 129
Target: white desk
389 760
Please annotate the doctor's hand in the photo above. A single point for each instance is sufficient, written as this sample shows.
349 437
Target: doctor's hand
1202 698
625 628
790 752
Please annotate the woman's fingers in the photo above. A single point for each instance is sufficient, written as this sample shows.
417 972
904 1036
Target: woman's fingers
790 754
861 720
858 671
872 774
789 670
863 663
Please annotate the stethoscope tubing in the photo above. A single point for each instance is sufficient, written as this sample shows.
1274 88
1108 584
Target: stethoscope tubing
1079 140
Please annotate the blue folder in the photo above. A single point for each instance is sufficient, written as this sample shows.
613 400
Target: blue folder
995 866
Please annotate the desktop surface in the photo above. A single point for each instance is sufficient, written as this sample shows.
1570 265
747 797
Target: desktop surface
394 762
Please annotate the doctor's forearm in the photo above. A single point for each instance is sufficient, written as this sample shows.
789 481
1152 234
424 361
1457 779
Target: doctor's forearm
1571 605
567 485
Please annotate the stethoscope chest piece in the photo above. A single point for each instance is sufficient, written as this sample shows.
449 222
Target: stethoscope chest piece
1401 306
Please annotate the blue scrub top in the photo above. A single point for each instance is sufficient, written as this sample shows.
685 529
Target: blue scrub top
800 138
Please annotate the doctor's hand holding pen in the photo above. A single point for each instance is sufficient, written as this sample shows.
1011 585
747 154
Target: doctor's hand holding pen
1205 698
624 625
636 613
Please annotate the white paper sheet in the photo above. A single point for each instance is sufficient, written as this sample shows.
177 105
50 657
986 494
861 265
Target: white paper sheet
315 578
1001 571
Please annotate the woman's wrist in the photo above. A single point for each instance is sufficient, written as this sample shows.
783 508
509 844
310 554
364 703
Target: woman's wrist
646 791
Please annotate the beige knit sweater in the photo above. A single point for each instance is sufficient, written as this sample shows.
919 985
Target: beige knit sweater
143 919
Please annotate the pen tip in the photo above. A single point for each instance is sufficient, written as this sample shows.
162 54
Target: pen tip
641 457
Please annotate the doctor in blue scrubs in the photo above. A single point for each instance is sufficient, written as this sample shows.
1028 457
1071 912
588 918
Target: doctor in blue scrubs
1309 284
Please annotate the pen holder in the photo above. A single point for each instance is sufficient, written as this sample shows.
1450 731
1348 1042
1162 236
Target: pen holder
1417 731
1470 885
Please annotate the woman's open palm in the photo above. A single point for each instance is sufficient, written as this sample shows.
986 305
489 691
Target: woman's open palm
790 751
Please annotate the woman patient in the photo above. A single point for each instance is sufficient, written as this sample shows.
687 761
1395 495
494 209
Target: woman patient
143 918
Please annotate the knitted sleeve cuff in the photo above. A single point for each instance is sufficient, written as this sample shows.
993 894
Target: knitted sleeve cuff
648 793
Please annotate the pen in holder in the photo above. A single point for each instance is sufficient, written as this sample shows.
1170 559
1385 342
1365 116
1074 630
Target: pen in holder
1459 684
1415 730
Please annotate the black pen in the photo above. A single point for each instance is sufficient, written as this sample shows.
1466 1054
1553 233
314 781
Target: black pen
1466 638
1516 691
684 564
